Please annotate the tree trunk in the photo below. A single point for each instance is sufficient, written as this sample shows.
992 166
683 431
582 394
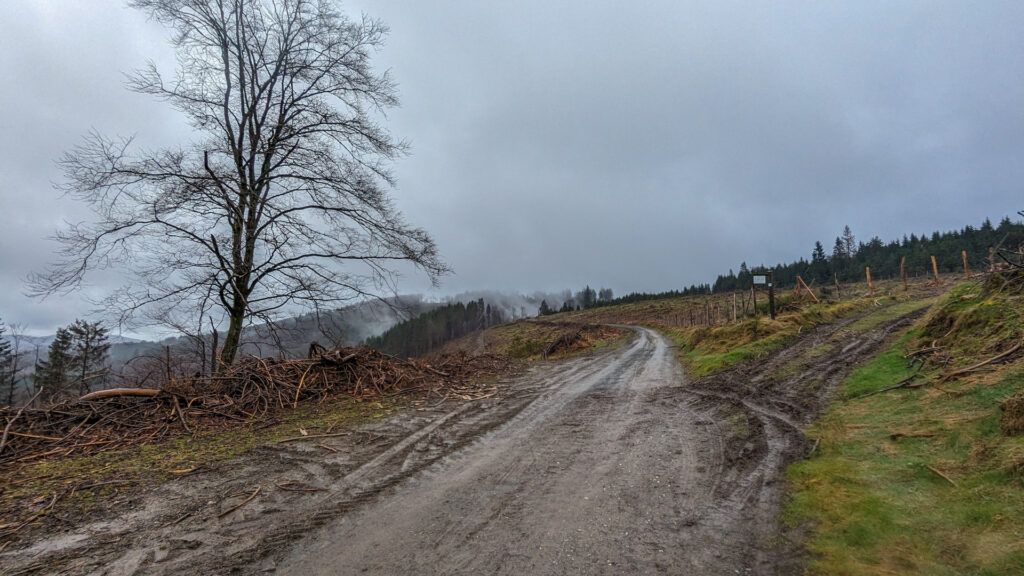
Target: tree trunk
83 384
215 362
233 337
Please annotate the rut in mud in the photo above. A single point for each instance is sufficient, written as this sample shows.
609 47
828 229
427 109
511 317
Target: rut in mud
611 463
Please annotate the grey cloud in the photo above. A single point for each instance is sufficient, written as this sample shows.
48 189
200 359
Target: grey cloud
638 145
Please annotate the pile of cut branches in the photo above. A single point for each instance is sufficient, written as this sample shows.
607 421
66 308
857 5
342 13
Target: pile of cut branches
249 392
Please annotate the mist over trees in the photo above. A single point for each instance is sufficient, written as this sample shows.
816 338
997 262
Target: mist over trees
280 201
582 300
434 328
694 290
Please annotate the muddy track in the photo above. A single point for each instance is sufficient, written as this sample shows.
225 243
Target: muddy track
610 463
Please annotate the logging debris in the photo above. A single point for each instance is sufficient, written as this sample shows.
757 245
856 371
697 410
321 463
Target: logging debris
942 475
251 497
563 342
248 393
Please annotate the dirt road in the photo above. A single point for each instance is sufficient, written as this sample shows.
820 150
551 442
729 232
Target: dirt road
607 471
611 463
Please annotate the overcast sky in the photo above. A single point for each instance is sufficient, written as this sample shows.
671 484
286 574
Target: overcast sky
639 145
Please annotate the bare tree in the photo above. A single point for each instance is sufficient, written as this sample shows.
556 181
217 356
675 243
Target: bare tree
16 365
283 200
7 365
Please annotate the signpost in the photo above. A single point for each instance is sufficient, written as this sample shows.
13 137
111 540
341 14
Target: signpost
766 280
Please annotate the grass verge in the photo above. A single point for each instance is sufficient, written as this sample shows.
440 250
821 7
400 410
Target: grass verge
705 351
920 481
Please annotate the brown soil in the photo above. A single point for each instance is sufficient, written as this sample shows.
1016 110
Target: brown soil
609 463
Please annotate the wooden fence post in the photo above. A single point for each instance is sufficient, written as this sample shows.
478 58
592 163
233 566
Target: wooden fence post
835 278
800 282
935 271
967 266
871 285
734 317
903 272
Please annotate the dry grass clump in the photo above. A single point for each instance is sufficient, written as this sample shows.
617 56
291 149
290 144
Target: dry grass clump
1012 420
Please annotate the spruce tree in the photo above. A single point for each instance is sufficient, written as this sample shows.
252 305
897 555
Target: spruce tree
849 242
839 253
52 375
819 263
586 298
89 354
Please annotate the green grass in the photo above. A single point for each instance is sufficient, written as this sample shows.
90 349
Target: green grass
700 361
871 502
889 313
705 351
885 370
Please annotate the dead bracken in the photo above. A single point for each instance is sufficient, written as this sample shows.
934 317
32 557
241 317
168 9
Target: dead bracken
1012 419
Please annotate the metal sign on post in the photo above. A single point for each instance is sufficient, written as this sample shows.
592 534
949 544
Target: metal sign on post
766 280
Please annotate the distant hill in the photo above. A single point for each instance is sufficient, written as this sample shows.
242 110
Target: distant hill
341 327
347 326
44 341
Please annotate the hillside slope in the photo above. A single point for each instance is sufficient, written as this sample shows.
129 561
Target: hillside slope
920 460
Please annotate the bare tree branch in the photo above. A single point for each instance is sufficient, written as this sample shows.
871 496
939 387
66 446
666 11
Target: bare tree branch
283 202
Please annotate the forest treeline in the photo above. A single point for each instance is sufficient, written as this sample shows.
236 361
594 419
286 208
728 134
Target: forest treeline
586 298
77 362
431 329
848 257
844 261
